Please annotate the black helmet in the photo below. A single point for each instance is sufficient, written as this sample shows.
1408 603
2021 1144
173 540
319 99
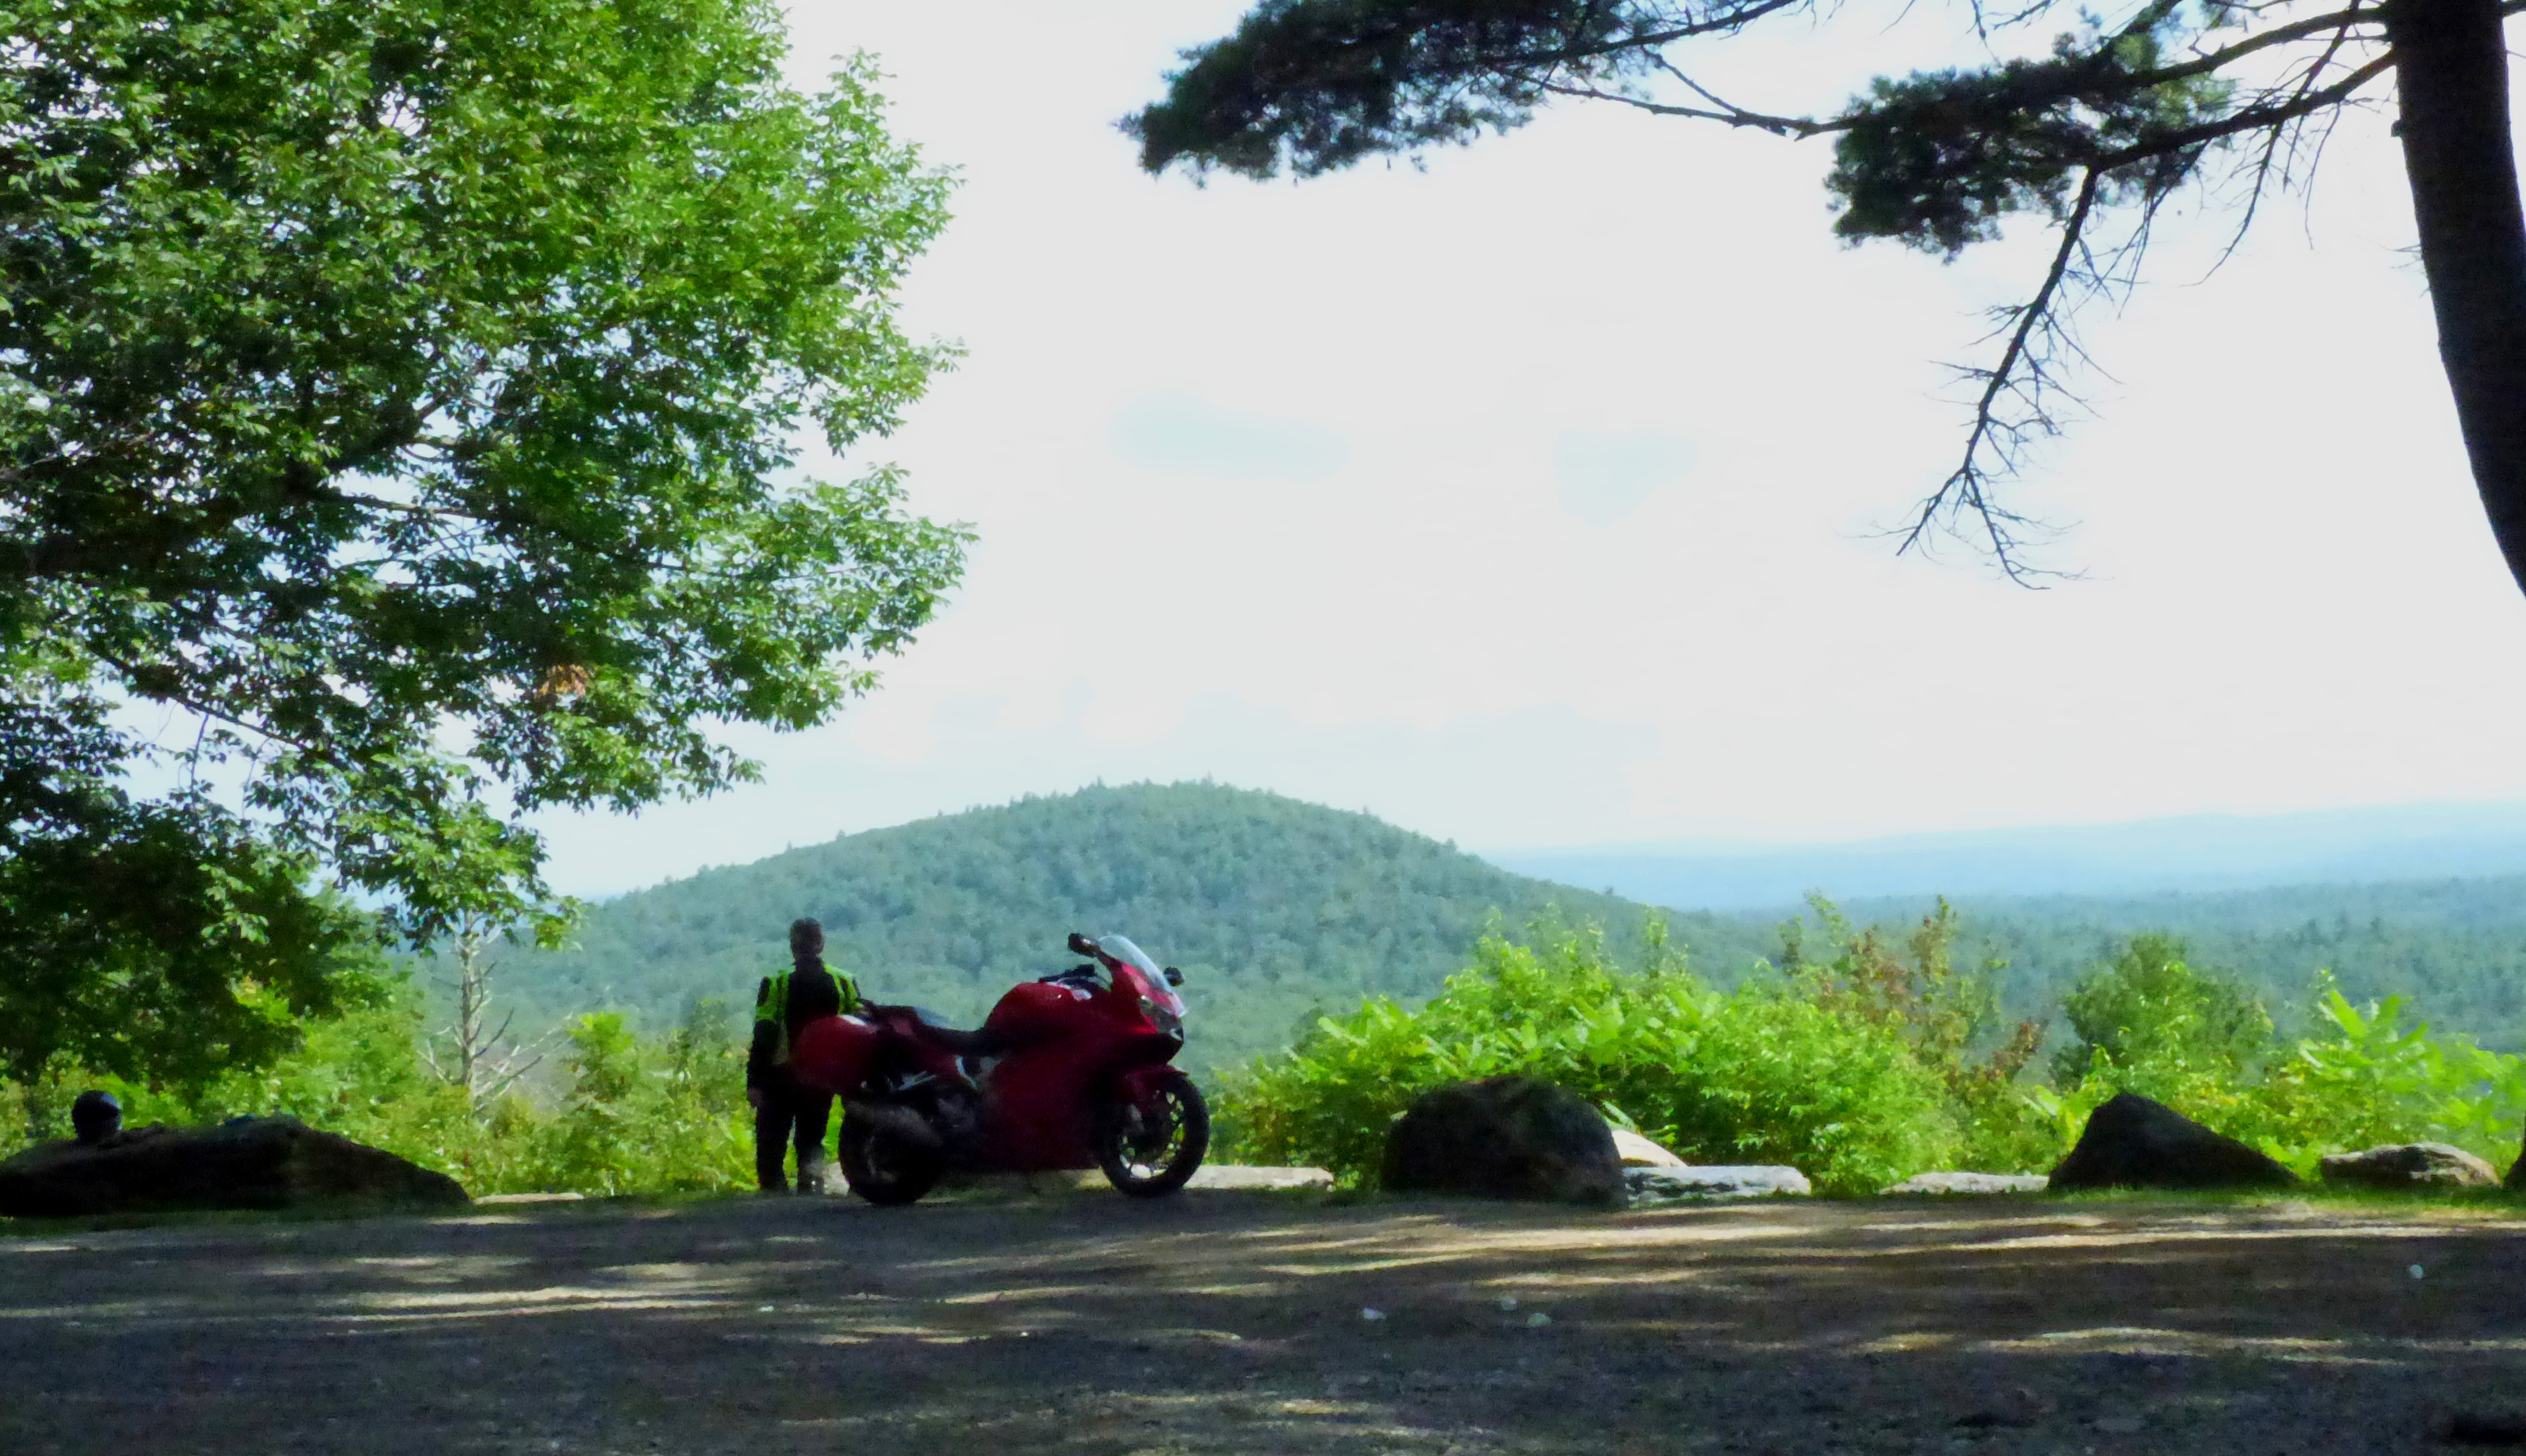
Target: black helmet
97 1116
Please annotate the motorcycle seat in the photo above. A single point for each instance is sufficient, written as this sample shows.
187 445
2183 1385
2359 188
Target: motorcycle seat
979 1042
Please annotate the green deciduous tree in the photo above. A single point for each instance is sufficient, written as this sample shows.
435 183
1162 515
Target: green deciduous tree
399 407
2099 130
2161 1024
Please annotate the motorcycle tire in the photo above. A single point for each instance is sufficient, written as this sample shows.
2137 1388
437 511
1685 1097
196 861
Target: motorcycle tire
886 1168
1149 1148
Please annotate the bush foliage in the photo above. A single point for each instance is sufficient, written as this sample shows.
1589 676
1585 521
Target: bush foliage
1874 1060
1770 1072
626 1113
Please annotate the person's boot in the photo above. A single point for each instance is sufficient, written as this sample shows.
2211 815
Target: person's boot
811 1178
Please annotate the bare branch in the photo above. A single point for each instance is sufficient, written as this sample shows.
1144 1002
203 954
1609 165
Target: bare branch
2340 21
2251 118
1966 489
1796 127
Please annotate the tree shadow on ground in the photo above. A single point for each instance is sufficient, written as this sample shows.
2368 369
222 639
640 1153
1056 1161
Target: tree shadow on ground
1241 1323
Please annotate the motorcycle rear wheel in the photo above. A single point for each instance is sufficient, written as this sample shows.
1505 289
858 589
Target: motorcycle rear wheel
1150 1146
883 1167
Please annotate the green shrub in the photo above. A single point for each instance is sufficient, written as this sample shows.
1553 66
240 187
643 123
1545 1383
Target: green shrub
636 1116
1766 1073
12 1119
1774 1078
2364 1077
648 1118
2368 1076
1949 1017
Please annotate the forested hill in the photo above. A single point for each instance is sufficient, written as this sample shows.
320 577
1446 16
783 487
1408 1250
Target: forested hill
1271 906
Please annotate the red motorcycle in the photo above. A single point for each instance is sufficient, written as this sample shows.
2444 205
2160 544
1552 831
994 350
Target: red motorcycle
1069 1072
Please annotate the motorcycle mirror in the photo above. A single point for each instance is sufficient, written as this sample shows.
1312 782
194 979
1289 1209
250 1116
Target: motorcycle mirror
1174 977
1081 944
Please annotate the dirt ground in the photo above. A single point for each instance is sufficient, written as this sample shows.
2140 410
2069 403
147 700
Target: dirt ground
1235 1323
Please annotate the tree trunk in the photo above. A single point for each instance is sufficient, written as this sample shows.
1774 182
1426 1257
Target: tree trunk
2451 77
2452 73
472 999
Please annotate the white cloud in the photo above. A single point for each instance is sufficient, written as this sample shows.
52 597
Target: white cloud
1174 433
1606 476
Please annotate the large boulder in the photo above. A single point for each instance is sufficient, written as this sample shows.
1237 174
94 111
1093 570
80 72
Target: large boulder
2136 1142
244 1163
2408 1164
1506 1137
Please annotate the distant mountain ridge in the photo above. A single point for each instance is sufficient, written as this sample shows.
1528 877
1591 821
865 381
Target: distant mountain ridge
2200 853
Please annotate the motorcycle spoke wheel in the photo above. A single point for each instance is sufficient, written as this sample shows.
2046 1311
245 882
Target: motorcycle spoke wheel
1150 1145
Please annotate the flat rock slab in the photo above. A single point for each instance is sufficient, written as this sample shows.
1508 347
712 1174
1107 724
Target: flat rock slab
1652 1186
1972 1185
1636 1151
248 1163
2409 1165
1221 1175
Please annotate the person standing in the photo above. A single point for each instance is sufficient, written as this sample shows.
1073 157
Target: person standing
785 1112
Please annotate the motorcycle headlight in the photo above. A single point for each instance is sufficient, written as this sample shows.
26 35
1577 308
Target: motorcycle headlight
1164 1020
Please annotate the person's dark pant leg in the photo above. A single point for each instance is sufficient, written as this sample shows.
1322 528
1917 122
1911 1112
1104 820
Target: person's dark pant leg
814 1111
772 1123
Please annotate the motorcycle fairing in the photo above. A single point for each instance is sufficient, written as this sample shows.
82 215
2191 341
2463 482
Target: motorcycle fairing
832 1053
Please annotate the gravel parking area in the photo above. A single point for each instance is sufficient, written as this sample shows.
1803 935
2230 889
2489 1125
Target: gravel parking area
1226 1321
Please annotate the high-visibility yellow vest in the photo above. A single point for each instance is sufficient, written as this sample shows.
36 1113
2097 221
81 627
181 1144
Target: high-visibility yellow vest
772 1004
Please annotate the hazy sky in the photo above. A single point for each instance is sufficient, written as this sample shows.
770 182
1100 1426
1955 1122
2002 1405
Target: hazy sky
1531 499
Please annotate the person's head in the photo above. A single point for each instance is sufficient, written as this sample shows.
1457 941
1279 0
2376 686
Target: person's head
97 1116
806 939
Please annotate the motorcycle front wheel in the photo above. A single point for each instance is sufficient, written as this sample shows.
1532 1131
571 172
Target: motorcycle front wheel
1149 1145
885 1167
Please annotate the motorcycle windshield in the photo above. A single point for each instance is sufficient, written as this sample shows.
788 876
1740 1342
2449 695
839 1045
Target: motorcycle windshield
1121 948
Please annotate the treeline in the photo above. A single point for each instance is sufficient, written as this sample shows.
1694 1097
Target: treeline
2455 949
